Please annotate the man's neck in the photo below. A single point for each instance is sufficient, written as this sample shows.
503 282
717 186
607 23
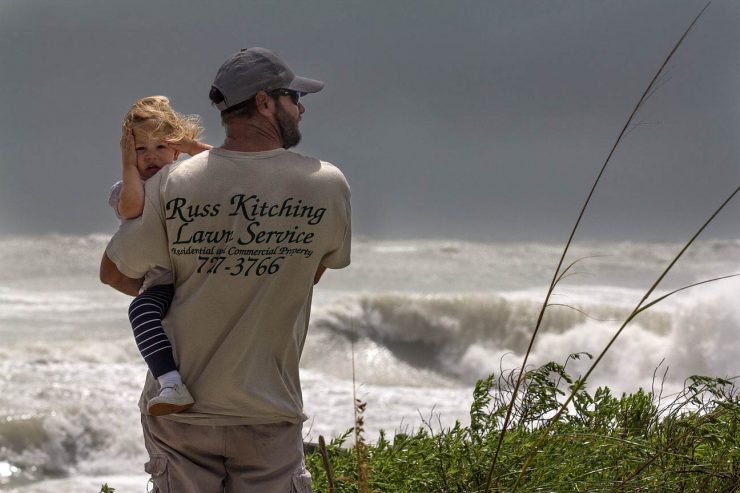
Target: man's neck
252 135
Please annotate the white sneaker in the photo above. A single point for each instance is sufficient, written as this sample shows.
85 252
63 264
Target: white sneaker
171 399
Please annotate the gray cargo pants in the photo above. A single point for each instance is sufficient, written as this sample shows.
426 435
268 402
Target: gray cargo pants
187 458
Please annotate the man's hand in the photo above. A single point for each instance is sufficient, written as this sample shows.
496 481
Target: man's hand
110 275
188 146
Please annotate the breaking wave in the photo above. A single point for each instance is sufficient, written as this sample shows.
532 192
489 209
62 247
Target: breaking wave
451 340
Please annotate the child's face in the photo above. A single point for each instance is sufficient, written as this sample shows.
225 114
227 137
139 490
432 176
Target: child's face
152 151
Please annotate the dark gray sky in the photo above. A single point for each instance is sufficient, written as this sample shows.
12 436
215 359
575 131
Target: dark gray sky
481 120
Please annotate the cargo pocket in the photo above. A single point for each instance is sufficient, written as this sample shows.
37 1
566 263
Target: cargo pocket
157 467
302 482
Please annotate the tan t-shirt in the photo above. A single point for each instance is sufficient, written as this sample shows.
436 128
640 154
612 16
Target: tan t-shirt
243 234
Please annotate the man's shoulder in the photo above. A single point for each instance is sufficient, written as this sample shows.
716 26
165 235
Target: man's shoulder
178 171
325 168
333 174
185 165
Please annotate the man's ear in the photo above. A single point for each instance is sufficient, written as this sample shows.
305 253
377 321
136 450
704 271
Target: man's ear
264 103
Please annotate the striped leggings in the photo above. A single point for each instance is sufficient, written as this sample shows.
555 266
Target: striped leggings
146 313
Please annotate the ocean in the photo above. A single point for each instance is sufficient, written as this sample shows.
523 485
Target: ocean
424 319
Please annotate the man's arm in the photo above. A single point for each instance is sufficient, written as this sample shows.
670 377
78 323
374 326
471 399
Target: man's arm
338 255
319 273
110 275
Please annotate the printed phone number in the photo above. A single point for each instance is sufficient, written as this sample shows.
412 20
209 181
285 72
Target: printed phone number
243 266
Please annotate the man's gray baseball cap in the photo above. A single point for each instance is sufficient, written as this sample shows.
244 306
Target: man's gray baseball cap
251 70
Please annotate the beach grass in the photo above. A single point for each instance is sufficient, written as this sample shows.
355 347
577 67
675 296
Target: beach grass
641 441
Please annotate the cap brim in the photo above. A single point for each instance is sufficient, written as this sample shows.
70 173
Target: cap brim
305 86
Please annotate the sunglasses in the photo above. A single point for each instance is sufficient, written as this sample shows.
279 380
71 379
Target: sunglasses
294 95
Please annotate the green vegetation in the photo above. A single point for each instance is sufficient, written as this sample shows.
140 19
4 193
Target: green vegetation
689 442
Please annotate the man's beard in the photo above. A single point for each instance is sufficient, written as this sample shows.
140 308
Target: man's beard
287 127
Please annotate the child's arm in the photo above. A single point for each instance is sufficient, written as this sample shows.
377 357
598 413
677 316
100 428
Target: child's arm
189 146
131 201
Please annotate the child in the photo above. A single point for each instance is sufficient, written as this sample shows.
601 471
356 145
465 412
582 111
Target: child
153 136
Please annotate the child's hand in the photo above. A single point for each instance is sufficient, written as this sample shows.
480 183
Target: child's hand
188 146
128 148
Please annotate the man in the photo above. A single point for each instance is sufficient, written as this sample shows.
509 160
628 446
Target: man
247 229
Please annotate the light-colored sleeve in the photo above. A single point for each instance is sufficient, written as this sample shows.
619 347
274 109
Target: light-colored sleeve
115 197
339 257
141 244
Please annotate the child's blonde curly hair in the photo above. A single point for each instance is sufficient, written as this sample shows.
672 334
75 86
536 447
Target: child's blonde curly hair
167 122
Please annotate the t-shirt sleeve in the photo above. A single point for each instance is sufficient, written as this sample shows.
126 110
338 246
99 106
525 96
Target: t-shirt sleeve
339 257
141 244
115 197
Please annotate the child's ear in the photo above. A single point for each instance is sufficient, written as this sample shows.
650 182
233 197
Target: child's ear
177 155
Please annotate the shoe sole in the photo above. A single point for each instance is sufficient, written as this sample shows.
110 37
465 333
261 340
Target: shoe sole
163 408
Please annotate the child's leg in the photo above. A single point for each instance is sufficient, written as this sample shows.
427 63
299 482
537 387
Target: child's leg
146 313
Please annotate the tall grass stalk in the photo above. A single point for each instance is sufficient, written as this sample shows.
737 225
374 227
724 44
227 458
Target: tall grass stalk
639 308
558 274
359 430
327 465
